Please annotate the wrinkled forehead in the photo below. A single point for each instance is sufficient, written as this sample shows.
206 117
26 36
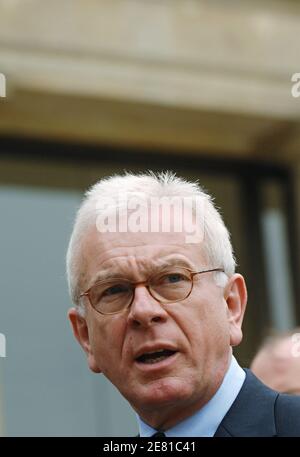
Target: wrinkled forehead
142 250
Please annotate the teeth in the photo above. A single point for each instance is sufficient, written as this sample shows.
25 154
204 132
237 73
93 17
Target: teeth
156 359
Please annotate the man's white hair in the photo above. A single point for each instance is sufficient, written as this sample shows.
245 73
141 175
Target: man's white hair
216 244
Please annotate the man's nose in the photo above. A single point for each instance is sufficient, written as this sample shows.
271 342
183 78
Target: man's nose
145 310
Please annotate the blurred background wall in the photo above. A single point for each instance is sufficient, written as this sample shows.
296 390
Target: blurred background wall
95 87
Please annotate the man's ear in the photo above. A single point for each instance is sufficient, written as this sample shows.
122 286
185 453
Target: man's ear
235 295
81 333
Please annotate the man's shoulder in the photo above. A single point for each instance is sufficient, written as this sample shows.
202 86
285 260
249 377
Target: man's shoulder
261 411
287 415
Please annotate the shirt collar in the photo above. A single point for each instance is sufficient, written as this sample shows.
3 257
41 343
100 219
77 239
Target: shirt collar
206 421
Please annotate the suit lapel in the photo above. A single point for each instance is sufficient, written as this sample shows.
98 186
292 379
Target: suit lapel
252 413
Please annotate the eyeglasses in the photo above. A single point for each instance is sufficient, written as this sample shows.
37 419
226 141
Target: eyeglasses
167 286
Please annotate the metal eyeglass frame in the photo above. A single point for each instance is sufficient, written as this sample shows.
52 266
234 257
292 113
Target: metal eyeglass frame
147 284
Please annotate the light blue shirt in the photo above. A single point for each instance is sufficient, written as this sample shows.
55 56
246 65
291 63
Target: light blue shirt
206 421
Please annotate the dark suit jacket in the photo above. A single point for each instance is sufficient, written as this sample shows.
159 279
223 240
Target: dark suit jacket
260 411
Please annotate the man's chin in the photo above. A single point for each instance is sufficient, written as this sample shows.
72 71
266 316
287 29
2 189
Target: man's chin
160 393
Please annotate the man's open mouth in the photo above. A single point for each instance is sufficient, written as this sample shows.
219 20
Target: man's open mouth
155 357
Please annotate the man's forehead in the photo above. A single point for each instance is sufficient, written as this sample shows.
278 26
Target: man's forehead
144 251
129 266
154 261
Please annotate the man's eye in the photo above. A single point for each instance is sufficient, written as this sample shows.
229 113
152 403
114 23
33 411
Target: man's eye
172 278
115 289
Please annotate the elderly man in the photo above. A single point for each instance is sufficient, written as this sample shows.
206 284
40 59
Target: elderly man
159 308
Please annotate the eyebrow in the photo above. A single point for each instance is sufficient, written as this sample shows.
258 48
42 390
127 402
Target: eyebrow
110 273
